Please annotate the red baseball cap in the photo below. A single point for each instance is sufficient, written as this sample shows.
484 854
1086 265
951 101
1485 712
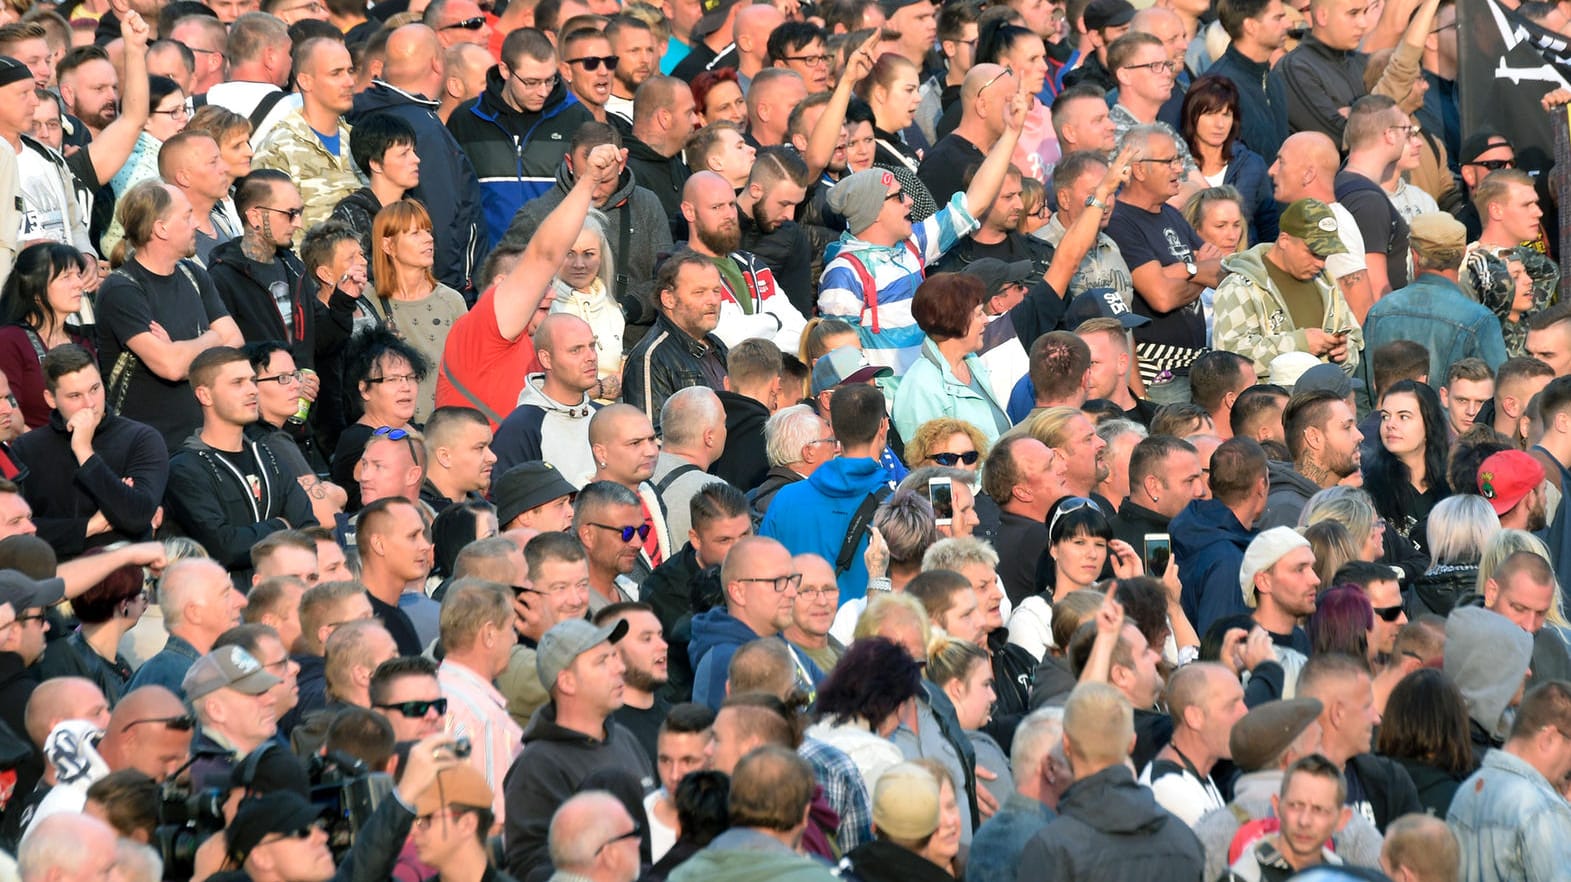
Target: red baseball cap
1505 478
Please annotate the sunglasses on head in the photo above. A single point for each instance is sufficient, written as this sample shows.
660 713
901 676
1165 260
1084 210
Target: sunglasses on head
593 62
1389 614
468 24
414 709
951 459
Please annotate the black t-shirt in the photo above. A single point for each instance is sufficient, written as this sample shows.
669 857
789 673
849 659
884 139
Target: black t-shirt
700 59
944 167
397 623
644 724
244 463
1165 237
184 304
1382 226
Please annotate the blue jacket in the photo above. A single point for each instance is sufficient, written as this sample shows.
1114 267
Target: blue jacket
167 668
1511 823
812 516
931 390
1432 310
1247 174
997 844
717 635
1209 543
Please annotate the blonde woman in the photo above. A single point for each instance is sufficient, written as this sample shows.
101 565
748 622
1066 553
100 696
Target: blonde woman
583 287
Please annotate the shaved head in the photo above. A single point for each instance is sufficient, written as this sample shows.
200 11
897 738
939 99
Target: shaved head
706 185
1316 149
411 51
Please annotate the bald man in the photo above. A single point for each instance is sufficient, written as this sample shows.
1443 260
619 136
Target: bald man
1306 168
414 80
551 422
197 607
983 116
752 303
593 837
68 847
55 701
149 732
466 70
771 98
750 33
190 162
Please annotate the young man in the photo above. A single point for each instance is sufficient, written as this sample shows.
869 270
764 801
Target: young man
1311 812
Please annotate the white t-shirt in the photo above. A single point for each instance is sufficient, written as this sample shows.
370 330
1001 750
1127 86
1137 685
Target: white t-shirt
661 837
1353 261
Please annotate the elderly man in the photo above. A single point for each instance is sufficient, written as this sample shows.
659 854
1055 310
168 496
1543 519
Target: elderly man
68 847
693 436
592 837
1036 763
682 349
1205 701
236 713
797 441
199 602
478 636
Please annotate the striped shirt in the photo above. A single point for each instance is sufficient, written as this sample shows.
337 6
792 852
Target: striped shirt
476 709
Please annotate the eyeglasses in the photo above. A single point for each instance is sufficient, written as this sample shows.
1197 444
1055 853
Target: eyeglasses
548 83
1408 131
809 60
468 24
834 441
1153 66
1170 161
30 617
897 196
416 709
636 832
205 51
781 583
816 593
626 532
593 62
1493 164
411 379
286 379
1389 614
1006 72
294 213
952 459
1074 504
177 112
182 723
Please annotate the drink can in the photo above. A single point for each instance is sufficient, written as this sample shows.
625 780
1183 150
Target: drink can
304 410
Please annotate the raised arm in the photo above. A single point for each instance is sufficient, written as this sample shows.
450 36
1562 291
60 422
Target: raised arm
1082 234
821 141
113 146
518 294
990 175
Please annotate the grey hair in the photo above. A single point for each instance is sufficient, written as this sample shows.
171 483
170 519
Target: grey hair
958 551
1112 429
1459 529
138 863
594 497
1034 740
906 522
687 413
787 432
1140 137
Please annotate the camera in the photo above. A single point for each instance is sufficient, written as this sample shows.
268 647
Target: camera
350 793
186 818
462 748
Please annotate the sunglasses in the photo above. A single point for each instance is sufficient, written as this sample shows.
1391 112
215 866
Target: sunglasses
1494 164
468 24
182 723
627 532
298 833
294 213
1389 614
637 831
390 433
952 459
1074 504
593 62
416 709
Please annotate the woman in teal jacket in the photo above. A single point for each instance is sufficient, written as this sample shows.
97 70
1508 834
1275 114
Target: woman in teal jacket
948 380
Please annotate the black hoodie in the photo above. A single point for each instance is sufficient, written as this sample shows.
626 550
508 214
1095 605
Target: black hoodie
663 176
1110 827
245 286
744 463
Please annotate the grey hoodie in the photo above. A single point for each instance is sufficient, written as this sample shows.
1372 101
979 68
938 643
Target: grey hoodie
1290 492
1487 656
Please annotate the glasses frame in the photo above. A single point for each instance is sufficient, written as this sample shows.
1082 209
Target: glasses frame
181 723
592 63
780 583
636 833
288 378
406 707
468 24
627 533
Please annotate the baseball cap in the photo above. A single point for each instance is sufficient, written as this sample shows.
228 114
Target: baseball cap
1480 142
845 365
1313 221
715 12
1505 478
526 486
228 667
1263 552
25 593
995 274
282 811
1102 303
1269 729
568 640
1329 378
1107 14
1286 368
458 785
905 802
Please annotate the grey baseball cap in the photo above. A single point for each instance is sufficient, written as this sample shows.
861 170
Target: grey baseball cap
228 667
22 592
568 640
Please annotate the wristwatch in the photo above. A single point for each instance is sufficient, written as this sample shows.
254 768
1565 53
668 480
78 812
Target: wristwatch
1093 202
1191 268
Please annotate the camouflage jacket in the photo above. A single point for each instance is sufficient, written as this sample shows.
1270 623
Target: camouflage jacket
1253 320
323 179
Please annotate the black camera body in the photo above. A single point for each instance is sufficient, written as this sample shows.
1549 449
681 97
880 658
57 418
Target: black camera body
186 818
349 793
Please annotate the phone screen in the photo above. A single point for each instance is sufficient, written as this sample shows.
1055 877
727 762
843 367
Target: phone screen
1157 551
940 492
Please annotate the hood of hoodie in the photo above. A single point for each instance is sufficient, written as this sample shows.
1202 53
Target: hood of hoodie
1250 264
637 149
849 477
618 198
1487 656
543 727
1113 802
1207 522
534 393
718 627
492 104
1282 474
232 254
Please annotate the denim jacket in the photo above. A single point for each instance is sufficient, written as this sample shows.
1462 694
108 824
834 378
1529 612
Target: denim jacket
1433 311
1512 826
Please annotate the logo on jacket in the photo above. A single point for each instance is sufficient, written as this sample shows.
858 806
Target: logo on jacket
256 486
1277 320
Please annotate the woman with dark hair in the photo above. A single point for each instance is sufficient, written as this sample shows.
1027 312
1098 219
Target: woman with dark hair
1020 51
893 91
718 95
1407 474
701 809
1211 121
861 702
387 371
1425 728
948 380
41 296
1079 544
106 612
1341 623
457 526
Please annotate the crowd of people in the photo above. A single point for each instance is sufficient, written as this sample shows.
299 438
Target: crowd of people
884 440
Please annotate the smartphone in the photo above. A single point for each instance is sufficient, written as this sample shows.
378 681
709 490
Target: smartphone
1342 332
1158 548
940 492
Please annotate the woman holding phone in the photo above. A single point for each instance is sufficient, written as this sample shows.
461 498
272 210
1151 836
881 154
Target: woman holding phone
1079 543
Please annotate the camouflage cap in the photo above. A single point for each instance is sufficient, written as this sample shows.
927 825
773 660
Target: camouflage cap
1313 221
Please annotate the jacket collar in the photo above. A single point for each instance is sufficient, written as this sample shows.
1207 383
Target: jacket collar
412 97
696 348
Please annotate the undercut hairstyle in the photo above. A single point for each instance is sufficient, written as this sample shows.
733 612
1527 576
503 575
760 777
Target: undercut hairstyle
594 498
591 134
753 362
688 718
953 18
770 789
376 133
317 607
63 361
776 165
1323 670
1554 398
1149 457
1237 467
256 188
856 413
1316 766
363 734
531 43
1367 121
1233 13
397 668
1521 367
1305 411
206 366
552 547
1059 361
706 141
1496 186
267 598
373 520
618 611
445 424
1213 375
1254 406
1397 361
1122 51
78 56
268 545
792 37
796 124
19 31
1545 705
716 501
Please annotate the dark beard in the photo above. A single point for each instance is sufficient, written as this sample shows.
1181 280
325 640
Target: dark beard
761 219
643 681
721 242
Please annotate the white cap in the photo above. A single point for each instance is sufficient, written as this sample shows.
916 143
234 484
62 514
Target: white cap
1263 552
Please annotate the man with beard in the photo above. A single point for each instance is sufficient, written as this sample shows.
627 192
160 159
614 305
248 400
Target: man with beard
1323 438
89 87
311 144
258 275
1279 583
768 206
644 654
752 303
681 349
633 45
1512 482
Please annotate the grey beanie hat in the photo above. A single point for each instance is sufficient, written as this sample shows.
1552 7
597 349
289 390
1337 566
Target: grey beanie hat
860 197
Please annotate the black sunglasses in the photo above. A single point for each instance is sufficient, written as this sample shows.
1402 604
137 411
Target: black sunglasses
627 532
636 832
950 459
182 723
1493 164
593 62
416 709
1389 613
468 24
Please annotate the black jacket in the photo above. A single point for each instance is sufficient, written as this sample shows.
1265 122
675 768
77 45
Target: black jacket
744 462
1110 827
338 403
1262 101
883 861
1389 789
1014 670
359 210
449 188
312 681
663 176
245 293
211 502
666 360
64 496
788 253
1133 522
677 590
764 493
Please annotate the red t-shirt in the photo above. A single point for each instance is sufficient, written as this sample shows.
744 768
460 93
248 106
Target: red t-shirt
484 362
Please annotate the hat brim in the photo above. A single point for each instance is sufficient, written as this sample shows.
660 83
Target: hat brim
283 823
712 20
553 488
1119 18
1130 321
254 683
865 373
